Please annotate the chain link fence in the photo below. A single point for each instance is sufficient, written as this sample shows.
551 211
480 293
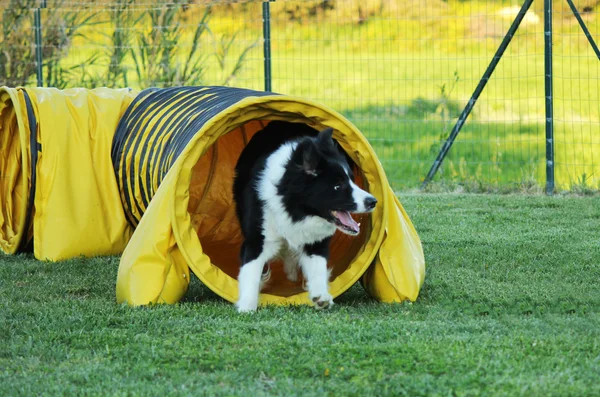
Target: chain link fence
402 71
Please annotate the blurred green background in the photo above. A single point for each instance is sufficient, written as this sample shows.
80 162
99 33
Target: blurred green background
402 71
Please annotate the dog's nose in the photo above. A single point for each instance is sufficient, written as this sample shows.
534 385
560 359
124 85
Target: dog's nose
370 203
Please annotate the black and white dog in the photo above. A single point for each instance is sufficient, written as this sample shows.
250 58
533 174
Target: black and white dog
293 188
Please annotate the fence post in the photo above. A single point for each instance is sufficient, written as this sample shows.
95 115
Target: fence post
37 20
584 28
266 11
478 90
549 97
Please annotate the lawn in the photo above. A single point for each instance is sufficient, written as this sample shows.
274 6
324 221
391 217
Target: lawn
510 306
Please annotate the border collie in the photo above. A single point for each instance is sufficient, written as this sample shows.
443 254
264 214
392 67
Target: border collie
293 188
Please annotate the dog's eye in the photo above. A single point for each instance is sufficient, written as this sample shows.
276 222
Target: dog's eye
337 187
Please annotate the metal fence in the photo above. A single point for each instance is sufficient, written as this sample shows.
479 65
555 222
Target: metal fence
507 97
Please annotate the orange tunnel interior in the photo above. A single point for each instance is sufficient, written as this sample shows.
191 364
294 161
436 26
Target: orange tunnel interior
213 216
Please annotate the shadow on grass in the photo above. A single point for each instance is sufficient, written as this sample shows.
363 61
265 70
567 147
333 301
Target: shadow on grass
200 293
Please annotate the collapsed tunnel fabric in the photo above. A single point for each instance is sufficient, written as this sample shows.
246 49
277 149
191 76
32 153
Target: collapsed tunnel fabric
58 189
148 175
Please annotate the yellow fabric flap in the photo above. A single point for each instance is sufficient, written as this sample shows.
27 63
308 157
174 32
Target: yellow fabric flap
398 271
152 269
15 169
78 208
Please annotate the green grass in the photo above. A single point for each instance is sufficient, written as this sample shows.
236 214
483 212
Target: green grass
510 306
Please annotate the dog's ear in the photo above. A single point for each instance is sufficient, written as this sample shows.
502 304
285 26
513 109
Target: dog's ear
310 159
325 138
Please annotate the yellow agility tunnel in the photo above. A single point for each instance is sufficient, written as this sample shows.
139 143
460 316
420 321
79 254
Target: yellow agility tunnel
57 188
158 169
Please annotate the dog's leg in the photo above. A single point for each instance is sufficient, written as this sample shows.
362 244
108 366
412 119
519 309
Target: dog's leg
251 273
290 264
315 271
249 285
313 262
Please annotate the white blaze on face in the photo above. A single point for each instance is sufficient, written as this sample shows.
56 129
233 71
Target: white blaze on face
359 196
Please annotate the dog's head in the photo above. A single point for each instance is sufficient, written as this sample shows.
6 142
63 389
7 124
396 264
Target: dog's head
327 182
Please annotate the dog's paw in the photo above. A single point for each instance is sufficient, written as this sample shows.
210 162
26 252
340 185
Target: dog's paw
246 306
322 301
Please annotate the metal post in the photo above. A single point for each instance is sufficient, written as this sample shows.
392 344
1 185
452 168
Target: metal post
37 20
584 28
549 98
484 79
267 43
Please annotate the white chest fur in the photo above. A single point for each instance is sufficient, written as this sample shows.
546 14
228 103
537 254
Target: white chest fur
277 224
297 234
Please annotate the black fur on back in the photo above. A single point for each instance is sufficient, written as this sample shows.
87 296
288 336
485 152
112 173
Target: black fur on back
263 143
249 166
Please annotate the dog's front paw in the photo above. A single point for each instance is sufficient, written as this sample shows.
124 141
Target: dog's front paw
322 301
246 306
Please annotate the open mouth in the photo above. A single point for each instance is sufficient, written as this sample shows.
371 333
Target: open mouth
345 223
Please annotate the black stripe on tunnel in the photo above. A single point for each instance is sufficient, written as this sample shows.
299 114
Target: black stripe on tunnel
34 146
134 140
122 141
232 97
183 115
173 123
136 152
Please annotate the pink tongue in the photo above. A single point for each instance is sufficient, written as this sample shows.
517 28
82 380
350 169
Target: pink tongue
346 220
